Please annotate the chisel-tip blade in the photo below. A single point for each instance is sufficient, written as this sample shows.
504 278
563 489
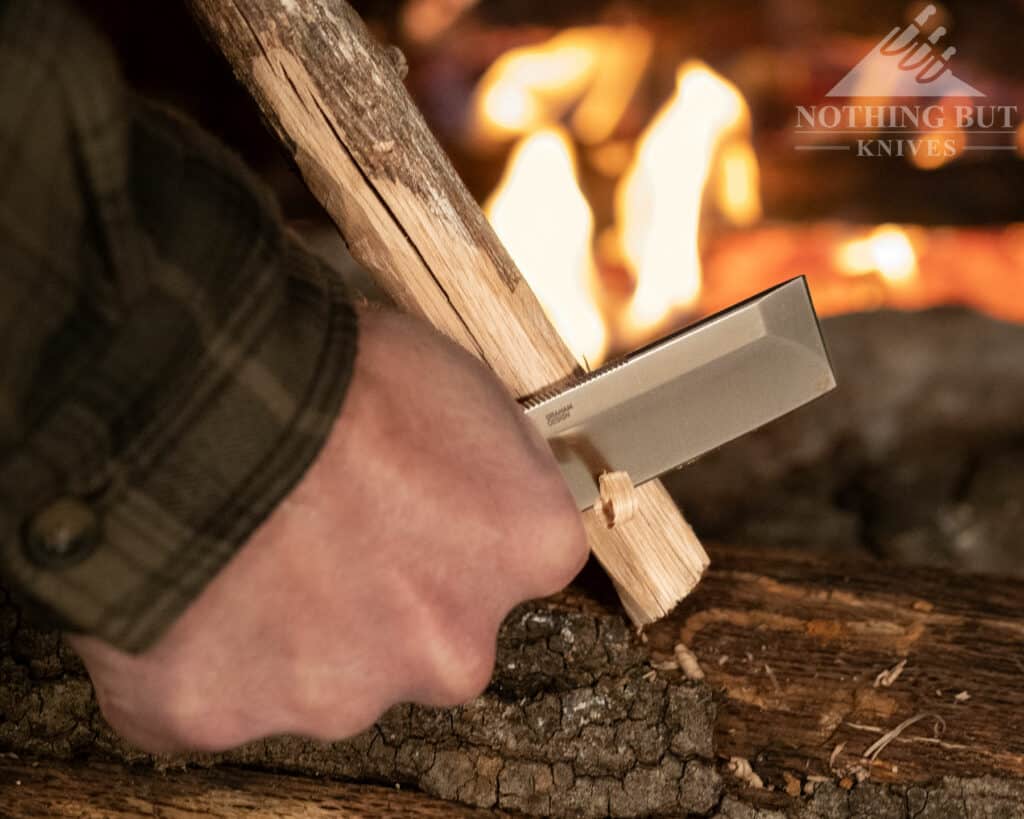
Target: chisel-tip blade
687 394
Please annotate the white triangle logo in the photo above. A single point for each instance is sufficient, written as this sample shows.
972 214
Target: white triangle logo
906 63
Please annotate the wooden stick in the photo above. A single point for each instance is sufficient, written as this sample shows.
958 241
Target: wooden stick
335 98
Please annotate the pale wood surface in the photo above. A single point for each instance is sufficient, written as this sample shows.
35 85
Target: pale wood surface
335 98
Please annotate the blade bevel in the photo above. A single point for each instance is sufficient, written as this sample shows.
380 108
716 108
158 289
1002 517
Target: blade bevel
671 402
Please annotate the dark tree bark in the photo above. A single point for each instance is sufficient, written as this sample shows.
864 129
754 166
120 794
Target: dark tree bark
576 721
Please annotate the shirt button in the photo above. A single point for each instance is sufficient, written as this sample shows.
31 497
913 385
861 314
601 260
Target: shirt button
62 534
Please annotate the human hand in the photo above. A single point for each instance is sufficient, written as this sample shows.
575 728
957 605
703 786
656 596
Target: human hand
432 510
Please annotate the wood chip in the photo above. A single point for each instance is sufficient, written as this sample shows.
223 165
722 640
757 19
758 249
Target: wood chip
771 676
890 675
688 662
793 786
963 696
740 768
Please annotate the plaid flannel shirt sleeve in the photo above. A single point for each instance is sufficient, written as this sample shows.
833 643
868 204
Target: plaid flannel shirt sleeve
171 360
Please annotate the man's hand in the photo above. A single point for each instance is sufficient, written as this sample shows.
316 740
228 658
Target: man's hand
432 510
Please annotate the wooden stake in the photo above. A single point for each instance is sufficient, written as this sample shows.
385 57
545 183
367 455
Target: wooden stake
335 98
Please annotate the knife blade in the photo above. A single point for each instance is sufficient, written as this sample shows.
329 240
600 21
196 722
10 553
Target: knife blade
665 405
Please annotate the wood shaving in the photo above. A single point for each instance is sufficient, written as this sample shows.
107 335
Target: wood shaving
650 675
879 745
740 768
890 675
963 696
665 665
832 757
723 659
771 676
687 661
618 499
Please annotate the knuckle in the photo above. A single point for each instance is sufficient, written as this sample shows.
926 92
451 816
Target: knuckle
310 693
458 669
559 544
188 722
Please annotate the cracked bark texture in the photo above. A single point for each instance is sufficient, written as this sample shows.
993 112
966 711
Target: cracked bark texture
575 724
570 725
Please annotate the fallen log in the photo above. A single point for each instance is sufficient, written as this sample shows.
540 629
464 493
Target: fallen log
101 790
578 722
335 98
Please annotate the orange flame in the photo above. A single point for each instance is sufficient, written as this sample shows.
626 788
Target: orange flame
542 217
596 69
887 250
701 129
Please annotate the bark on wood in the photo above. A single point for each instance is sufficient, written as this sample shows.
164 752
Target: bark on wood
336 100
575 723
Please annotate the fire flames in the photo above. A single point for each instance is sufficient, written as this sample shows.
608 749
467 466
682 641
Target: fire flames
698 143
543 219
660 198
887 250
691 173
593 70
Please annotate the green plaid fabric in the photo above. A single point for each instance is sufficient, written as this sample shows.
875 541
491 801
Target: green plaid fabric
170 358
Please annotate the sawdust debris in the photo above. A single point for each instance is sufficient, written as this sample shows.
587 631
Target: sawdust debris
688 663
793 786
740 768
963 696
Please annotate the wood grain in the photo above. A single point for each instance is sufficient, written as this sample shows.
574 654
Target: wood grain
793 645
336 100
577 722
98 790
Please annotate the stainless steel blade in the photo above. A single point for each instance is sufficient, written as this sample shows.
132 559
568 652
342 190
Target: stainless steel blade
667 404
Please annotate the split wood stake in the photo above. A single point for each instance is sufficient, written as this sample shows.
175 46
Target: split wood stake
335 98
